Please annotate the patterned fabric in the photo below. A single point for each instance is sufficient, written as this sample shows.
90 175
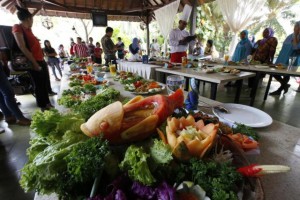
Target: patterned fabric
264 52
81 50
108 46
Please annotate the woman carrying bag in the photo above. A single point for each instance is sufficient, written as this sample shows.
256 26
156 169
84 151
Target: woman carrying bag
39 71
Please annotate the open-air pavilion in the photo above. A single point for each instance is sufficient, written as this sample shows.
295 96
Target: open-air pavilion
279 128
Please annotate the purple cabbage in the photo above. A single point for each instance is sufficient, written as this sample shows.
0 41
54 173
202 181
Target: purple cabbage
143 191
165 192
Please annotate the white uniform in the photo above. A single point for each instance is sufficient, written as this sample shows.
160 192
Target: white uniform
175 36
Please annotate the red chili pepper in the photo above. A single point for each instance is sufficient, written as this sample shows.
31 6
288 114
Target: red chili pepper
250 171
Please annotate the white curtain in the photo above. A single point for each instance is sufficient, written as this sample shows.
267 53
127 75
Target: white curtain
165 17
238 14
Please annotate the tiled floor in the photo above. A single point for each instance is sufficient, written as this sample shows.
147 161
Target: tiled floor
14 141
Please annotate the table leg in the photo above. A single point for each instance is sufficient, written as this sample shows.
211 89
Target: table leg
268 87
238 90
187 83
213 91
254 88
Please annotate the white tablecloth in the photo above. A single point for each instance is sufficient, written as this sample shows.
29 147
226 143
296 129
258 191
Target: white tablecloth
145 70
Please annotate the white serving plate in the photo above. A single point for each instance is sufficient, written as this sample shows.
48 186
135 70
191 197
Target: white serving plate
247 115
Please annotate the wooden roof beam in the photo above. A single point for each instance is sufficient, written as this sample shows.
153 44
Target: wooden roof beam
80 10
5 3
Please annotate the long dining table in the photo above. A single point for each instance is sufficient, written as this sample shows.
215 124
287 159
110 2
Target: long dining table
213 78
261 70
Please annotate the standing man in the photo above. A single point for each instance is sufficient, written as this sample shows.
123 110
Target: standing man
108 46
180 38
80 49
91 48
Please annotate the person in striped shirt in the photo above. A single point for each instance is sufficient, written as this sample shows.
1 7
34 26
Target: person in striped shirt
80 49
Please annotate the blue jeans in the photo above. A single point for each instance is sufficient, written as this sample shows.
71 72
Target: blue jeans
54 62
8 103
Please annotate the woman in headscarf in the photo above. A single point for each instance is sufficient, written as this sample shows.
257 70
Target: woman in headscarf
243 48
265 49
290 44
134 46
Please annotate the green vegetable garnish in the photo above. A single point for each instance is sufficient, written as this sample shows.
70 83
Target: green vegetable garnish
135 163
86 160
160 152
246 130
217 179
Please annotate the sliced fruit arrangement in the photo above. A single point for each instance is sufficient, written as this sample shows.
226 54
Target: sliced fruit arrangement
189 138
243 141
134 121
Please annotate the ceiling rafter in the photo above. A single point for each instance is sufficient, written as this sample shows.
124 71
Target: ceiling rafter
5 3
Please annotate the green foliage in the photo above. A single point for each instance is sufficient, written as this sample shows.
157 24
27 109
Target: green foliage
86 160
125 38
217 179
62 159
161 153
135 163
97 102
246 130
211 25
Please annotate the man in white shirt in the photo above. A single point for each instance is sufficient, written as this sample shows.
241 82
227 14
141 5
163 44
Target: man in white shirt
178 38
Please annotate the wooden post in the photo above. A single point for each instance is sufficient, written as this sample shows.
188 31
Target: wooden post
148 33
193 24
148 38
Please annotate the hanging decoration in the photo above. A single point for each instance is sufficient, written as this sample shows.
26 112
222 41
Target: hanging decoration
46 21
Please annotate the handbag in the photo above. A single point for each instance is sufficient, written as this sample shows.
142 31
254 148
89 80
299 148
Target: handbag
19 62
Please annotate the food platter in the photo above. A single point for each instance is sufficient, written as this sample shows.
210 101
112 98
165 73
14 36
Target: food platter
156 91
247 115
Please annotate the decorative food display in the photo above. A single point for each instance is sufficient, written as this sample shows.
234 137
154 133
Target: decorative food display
135 120
148 148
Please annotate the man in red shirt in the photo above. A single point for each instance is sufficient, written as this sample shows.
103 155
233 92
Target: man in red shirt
80 49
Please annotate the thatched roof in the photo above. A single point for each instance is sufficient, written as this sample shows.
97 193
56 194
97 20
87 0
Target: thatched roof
117 10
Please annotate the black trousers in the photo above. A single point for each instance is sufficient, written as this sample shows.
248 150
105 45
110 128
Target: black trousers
110 58
42 85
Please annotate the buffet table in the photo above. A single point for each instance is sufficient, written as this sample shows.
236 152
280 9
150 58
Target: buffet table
145 70
214 78
269 137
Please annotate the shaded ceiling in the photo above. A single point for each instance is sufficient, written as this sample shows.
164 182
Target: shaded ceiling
117 10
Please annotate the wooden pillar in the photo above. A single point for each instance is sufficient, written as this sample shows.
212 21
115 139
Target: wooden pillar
193 24
148 38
